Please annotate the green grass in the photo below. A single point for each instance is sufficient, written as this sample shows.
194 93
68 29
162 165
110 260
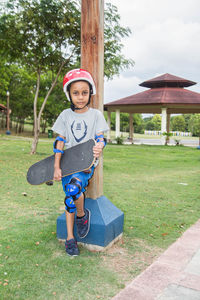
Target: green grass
151 189
157 187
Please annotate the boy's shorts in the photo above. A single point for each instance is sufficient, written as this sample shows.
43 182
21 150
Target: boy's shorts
82 176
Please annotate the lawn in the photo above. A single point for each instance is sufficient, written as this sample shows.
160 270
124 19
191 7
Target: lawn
157 187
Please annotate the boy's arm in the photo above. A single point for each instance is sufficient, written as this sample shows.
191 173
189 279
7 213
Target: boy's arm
57 169
98 148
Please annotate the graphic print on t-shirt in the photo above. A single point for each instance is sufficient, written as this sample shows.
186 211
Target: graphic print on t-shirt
79 130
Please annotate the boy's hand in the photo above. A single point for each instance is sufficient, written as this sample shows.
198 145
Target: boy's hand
57 174
97 149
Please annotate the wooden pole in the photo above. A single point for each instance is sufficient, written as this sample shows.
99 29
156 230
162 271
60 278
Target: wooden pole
131 127
107 222
92 59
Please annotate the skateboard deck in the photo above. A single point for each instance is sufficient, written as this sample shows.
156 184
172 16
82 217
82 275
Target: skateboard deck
75 159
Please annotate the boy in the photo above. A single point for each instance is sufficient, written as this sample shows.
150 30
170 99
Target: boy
73 126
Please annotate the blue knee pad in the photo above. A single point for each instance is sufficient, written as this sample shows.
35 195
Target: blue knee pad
69 204
69 189
73 192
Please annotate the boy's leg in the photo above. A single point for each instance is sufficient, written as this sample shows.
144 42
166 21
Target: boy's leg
82 218
83 214
70 244
72 185
80 206
70 225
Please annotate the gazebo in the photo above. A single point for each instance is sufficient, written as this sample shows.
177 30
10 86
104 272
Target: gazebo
167 95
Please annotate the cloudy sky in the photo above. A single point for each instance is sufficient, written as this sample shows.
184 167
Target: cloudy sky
165 39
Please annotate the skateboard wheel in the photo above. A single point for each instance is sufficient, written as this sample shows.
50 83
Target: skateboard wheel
49 183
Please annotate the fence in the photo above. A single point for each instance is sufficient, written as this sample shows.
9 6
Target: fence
174 133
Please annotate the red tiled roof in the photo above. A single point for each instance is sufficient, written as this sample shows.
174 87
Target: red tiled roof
167 80
164 95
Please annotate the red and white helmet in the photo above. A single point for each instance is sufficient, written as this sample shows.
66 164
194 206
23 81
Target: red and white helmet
77 75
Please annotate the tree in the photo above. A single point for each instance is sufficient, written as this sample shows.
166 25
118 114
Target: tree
138 123
150 125
44 35
114 60
19 82
36 34
21 94
157 122
187 118
124 122
153 123
178 123
194 125
5 74
57 101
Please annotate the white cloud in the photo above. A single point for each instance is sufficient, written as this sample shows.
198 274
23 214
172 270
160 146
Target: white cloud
138 13
121 87
171 44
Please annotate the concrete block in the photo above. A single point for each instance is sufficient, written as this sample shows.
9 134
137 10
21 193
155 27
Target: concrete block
105 226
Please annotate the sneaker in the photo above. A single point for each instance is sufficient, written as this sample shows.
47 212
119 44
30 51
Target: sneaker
83 224
71 247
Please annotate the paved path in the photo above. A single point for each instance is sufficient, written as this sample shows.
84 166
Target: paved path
137 141
175 275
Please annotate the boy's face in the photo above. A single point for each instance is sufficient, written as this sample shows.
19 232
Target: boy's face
80 93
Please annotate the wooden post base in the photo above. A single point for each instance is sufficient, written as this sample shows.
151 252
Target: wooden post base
106 224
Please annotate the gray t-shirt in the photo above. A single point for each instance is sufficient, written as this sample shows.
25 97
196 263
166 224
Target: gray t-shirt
79 127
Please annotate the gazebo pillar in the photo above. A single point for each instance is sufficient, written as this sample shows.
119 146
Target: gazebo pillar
164 125
109 125
168 127
117 123
131 129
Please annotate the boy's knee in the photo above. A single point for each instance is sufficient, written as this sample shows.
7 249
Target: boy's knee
73 188
69 204
73 191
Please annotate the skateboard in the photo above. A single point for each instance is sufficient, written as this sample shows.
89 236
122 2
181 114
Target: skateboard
75 159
